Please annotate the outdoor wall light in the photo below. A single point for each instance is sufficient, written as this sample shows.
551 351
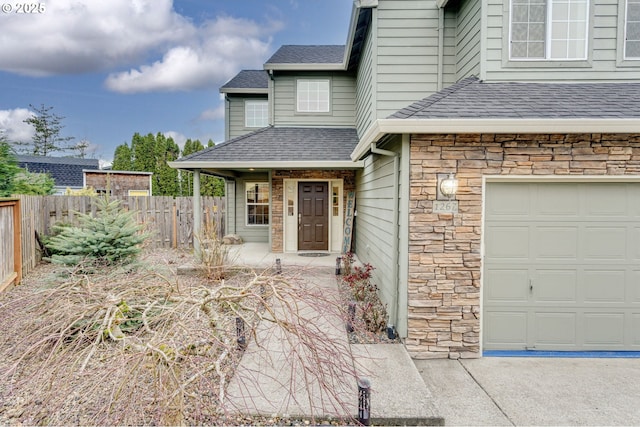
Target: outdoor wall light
448 185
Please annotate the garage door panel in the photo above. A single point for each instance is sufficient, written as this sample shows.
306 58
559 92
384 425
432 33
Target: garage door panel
605 243
508 285
565 273
555 243
633 192
508 243
602 329
604 286
503 201
506 328
634 243
559 201
555 328
635 329
555 286
604 200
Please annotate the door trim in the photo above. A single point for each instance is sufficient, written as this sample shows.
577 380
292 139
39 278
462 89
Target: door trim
336 224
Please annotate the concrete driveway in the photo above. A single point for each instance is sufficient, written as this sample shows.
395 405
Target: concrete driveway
534 391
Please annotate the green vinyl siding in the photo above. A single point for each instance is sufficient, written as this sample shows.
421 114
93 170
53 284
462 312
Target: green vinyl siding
236 111
407 53
342 100
604 49
468 39
365 84
374 230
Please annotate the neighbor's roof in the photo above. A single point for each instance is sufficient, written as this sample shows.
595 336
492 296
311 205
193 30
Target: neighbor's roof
473 98
65 171
274 147
247 81
295 57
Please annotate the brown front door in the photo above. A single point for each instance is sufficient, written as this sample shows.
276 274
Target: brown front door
313 216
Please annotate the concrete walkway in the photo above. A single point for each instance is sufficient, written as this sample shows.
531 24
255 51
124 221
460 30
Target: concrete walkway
504 391
271 379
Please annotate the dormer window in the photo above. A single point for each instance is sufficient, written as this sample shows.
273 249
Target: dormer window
549 29
256 114
312 96
632 30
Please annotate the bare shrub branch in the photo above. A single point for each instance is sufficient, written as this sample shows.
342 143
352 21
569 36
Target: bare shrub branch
149 347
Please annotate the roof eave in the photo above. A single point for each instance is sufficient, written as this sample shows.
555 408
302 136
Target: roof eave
383 127
353 25
312 164
248 91
306 67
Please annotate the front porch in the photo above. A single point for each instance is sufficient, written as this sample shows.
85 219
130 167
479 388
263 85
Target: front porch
260 255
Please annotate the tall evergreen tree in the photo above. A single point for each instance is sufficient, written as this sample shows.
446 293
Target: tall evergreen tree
165 177
143 152
122 158
47 138
8 168
209 185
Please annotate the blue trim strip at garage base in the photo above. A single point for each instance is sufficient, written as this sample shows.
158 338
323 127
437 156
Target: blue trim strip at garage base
565 354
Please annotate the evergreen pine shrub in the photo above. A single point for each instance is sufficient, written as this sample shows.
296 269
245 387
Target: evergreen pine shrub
111 237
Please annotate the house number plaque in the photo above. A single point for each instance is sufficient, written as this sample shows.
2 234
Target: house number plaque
445 206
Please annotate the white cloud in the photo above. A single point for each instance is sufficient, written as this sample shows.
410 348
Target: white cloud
212 114
177 137
223 46
154 47
13 127
74 36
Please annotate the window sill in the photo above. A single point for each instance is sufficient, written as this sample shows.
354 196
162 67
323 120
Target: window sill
546 63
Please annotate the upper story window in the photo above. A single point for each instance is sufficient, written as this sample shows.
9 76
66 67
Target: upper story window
549 29
632 30
256 114
312 96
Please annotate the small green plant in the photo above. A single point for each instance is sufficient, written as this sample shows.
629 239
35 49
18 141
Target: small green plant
111 237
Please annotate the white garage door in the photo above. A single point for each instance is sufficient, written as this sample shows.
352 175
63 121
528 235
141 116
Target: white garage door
562 266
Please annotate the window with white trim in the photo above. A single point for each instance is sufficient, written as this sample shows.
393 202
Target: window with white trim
257 198
549 29
256 114
632 30
312 96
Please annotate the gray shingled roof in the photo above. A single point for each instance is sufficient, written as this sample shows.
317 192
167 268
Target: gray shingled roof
312 54
472 98
283 144
65 171
248 79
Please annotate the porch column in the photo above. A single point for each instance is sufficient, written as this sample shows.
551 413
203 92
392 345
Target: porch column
197 212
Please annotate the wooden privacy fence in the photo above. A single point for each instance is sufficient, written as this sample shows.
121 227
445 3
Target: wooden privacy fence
170 220
10 243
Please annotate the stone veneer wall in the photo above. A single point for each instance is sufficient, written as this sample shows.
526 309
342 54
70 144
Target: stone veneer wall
444 249
277 195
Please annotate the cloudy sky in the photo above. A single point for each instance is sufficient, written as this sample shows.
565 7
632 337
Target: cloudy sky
116 67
